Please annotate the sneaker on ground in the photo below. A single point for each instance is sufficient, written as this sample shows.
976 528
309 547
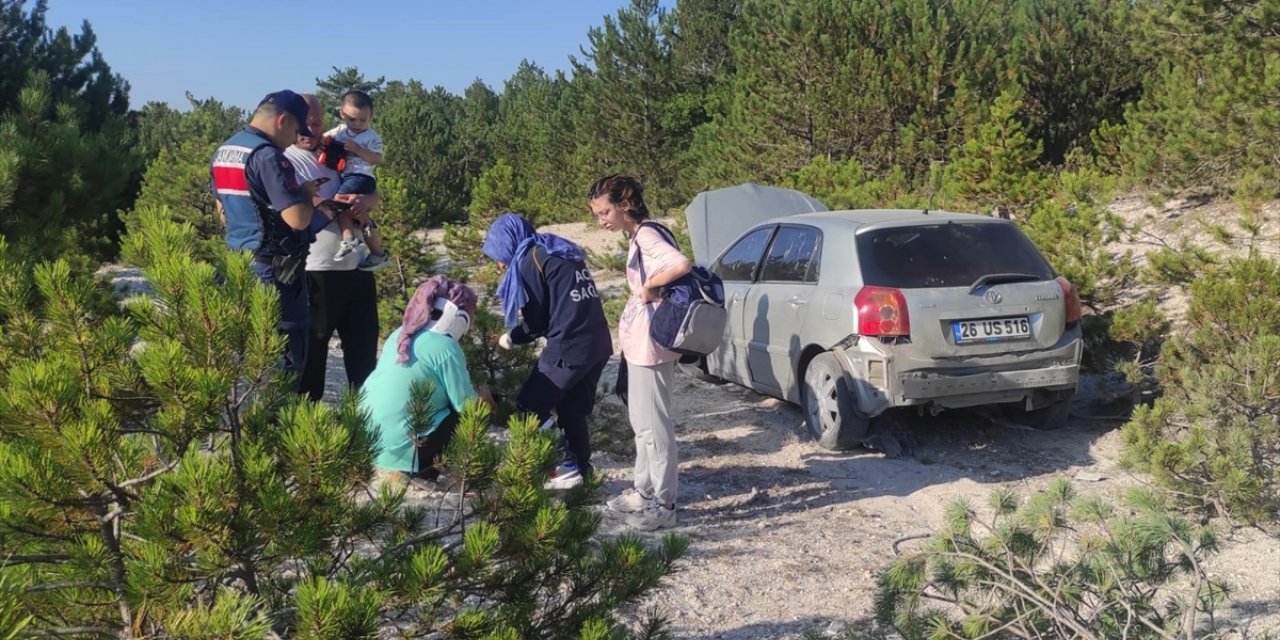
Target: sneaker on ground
375 261
630 501
565 476
653 517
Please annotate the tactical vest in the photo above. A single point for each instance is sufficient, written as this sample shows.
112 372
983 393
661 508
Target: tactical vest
231 186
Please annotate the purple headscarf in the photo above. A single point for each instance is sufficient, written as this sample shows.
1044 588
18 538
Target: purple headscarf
418 313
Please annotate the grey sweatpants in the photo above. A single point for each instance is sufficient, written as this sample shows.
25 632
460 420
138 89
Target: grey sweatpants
649 407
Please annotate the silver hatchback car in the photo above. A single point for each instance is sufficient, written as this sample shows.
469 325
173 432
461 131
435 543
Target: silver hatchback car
853 313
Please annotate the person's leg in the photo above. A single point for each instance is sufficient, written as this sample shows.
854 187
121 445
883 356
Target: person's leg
345 223
541 394
358 326
574 409
295 323
649 406
326 307
350 241
642 427
433 445
357 183
543 389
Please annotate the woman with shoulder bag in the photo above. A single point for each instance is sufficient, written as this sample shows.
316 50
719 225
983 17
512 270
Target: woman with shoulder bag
653 262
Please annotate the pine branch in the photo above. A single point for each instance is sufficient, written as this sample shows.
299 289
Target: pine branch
38 558
58 586
62 632
154 474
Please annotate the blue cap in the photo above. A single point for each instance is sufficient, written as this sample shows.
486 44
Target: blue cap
292 104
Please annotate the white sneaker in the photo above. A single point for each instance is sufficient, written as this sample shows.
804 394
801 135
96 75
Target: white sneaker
564 477
653 517
630 501
347 248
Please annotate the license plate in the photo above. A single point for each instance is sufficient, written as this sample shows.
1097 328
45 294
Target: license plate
991 329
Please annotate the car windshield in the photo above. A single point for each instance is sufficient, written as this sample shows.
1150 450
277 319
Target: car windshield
952 254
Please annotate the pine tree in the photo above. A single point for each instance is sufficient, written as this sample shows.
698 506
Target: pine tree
207 121
475 126
77 71
535 137
329 89
61 181
1080 65
998 163
1214 434
625 84
420 130
1208 115
1057 565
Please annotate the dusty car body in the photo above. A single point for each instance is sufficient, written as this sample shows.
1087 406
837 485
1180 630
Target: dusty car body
853 313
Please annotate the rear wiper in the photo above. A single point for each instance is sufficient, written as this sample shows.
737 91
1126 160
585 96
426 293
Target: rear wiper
999 278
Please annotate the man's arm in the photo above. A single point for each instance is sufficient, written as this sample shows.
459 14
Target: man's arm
292 199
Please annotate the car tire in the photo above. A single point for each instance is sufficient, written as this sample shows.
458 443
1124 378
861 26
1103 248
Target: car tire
830 413
1050 418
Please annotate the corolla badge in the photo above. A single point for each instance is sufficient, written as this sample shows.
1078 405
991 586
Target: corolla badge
993 296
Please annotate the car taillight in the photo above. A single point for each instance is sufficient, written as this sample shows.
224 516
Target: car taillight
881 311
1070 300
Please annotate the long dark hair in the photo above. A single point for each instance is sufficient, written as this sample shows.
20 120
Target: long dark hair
624 192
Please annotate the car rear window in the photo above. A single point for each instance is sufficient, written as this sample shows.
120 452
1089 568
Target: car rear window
951 254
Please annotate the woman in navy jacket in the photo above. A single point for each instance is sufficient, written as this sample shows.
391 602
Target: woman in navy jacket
548 292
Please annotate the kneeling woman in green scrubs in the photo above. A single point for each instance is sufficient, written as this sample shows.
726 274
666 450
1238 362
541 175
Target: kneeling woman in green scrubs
423 349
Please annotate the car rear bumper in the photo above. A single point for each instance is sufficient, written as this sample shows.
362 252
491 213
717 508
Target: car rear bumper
916 386
883 379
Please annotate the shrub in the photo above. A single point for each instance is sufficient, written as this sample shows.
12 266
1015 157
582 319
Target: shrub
1214 436
1055 566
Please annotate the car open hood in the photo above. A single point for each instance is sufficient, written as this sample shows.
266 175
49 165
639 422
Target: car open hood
718 217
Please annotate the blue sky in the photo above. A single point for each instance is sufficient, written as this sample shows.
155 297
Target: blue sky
240 50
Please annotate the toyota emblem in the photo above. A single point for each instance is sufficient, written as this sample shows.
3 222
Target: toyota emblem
993 296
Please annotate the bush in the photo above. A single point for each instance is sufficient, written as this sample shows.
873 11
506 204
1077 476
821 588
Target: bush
1055 566
1214 436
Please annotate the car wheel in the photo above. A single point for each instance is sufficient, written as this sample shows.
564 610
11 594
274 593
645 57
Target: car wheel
830 412
1048 418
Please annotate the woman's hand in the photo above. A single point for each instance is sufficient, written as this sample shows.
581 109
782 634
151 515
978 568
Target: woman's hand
650 294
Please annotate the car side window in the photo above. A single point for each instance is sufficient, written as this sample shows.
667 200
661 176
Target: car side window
740 261
794 255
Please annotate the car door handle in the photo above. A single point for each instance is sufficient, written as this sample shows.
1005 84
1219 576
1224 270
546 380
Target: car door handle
797 301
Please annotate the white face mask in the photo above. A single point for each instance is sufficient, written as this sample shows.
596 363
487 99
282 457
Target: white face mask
449 319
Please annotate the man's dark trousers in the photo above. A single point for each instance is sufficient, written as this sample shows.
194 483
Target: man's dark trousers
346 302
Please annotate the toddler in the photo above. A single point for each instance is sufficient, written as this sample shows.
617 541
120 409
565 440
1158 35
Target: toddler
363 147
